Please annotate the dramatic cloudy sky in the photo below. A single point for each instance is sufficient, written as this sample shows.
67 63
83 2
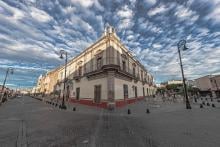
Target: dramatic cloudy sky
32 31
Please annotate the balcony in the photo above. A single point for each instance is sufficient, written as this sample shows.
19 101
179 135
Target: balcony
77 76
94 68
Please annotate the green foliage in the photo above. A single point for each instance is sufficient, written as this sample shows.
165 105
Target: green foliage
173 87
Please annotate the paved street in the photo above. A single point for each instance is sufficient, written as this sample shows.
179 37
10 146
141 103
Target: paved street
29 122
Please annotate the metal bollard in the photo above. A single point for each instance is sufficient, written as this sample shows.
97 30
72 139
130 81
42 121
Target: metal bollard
74 108
201 105
213 105
195 100
129 111
147 111
208 104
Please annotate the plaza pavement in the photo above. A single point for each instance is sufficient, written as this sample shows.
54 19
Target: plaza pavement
29 122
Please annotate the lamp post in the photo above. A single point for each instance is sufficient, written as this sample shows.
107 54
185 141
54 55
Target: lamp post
62 53
9 70
182 45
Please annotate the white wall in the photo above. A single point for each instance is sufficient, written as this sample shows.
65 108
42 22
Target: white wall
119 92
87 88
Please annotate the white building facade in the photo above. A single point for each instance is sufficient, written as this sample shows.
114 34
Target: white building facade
106 74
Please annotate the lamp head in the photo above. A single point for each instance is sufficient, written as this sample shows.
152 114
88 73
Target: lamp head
185 48
182 45
61 56
11 70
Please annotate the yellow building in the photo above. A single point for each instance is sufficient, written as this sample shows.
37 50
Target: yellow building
105 74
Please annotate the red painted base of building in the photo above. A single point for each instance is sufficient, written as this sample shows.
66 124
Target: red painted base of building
104 104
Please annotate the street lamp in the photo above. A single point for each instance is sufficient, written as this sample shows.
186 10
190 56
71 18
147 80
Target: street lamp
11 71
182 45
62 53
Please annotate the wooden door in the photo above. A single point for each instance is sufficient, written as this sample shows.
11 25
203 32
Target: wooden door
125 87
97 93
77 93
135 90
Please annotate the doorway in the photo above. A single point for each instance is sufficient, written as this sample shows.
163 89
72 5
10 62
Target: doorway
77 93
125 87
135 91
97 93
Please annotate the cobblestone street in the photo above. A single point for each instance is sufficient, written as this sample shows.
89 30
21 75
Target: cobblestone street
28 122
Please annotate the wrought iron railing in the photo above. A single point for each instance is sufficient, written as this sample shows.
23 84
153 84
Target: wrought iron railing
127 67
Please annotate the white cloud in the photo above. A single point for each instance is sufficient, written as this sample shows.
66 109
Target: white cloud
215 14
125 12
126 15
88 3
40 15
150 2
184 13
69 10
157 45
149 26
84 3
16 13
157 10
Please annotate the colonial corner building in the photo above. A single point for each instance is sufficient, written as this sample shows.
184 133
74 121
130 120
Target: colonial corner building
105 74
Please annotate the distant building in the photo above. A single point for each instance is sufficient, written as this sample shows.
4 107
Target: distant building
104 74
170 82
190 83
174 82
215 81
208 85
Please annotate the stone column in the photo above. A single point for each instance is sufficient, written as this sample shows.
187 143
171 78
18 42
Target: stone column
111 89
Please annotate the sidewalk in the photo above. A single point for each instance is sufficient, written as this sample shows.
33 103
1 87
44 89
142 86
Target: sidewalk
139 108
167 124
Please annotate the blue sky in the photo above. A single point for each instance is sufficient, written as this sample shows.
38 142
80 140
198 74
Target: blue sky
32 31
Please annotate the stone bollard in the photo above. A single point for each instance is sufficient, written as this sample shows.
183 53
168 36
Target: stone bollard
211 99
147 111
208 104
129 111
213 105
201 105
74 108
56 105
